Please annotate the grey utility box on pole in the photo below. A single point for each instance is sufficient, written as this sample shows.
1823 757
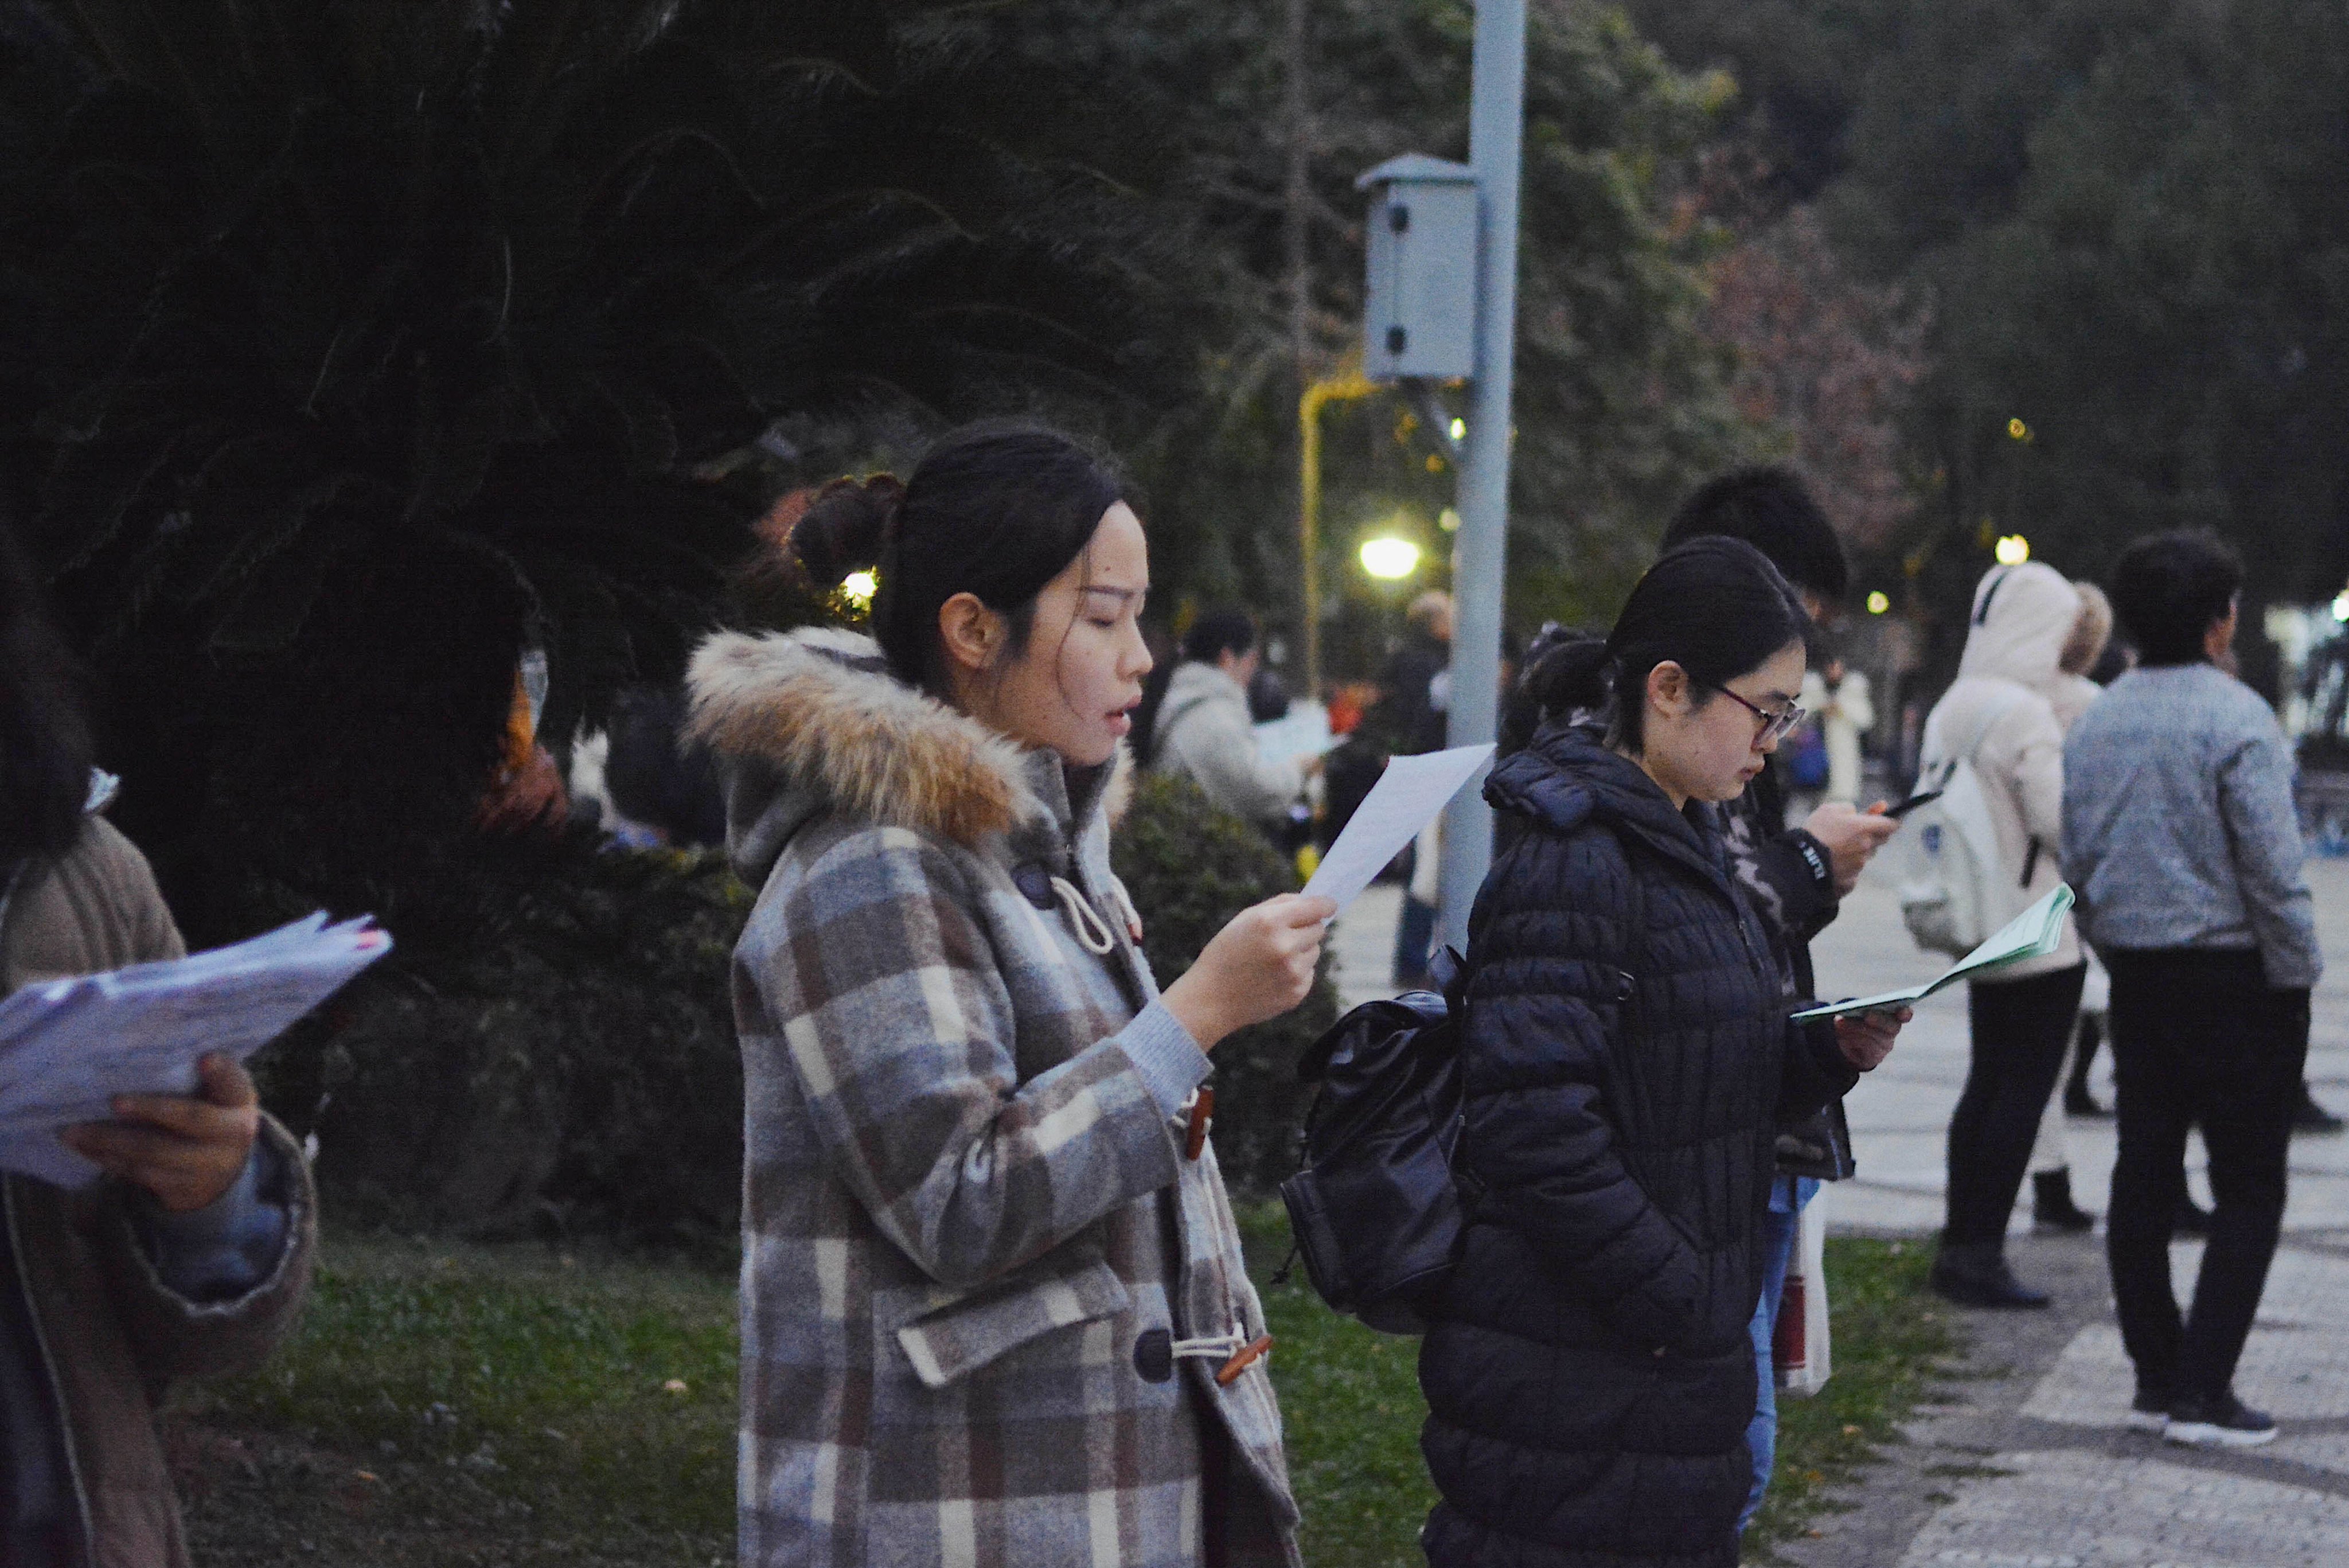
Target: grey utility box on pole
1419 316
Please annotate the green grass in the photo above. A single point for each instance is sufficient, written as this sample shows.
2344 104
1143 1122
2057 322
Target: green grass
445 1403
501 1406
1893 1340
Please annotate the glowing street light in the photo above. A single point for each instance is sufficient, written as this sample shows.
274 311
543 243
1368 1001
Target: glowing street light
858 589
1459 429
2013 550
2018 430
2341 606
1879 602
1390 559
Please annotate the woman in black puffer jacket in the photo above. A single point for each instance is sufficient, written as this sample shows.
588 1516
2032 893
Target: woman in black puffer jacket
1626 1054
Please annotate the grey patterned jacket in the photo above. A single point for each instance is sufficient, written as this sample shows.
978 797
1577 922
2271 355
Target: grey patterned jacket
2178 824
985 1294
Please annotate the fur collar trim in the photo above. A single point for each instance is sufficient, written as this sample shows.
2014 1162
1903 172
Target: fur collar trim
819 708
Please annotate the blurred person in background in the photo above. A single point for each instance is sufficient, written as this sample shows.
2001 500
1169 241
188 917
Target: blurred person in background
1413 715
1202 730
1837 696
2069 694
1796 878
2184 845
1999 716
190 1254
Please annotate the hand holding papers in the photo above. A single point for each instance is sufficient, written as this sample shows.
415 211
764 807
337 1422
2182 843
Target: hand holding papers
68 1046
1404 800
2035 933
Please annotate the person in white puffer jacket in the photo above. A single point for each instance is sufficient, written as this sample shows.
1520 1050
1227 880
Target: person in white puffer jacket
1999 715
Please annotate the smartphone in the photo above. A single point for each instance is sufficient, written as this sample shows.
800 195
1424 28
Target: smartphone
1913 803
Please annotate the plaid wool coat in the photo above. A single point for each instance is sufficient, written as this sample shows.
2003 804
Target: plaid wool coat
984 1292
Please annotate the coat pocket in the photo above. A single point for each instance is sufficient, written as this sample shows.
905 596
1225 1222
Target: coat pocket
958 1339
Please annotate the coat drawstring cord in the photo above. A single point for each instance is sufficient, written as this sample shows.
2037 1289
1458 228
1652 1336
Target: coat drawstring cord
1093 934
1237 1353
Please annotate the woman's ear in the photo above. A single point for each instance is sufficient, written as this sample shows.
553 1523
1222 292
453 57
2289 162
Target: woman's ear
971 634
1669 691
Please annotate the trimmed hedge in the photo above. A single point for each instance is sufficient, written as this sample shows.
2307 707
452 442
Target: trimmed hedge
551 1048
564 1060
1191 868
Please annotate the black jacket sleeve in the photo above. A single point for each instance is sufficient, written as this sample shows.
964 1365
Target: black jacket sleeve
1816 1076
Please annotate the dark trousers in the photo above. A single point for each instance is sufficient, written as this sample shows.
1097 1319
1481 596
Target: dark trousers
1414 941
2019 1029
2198 1039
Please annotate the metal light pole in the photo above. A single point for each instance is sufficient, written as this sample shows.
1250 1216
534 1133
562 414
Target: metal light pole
1496 142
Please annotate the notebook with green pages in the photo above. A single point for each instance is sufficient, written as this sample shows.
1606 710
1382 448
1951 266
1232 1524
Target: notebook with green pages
2035 933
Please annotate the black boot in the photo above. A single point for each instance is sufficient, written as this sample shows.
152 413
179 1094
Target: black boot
1974 1273
2052 1205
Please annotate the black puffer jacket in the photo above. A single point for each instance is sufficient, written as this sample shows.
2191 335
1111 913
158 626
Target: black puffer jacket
1588 1371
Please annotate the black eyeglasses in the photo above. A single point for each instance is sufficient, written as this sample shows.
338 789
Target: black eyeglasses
1773 725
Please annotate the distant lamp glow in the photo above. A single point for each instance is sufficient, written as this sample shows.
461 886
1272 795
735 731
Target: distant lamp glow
1459 429
2013 550
1448 520
1879 602
2018 430
2341 606
1389 559
858 589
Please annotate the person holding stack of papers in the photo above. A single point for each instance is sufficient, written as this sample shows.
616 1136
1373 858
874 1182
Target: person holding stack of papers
193 1255
1998 720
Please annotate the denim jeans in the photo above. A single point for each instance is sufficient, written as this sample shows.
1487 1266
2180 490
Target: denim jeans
1788 1197
1414 940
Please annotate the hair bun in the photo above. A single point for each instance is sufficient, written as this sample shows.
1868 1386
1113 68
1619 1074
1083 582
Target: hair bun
845 527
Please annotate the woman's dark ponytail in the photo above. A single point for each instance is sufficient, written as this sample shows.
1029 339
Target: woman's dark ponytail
1566 672
994 510
1715 606
846 528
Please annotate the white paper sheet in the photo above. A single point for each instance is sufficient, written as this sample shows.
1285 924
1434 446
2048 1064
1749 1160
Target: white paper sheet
2035 933
1405 799
67 1046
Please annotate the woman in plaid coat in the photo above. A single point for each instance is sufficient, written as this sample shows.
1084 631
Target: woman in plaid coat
993 1306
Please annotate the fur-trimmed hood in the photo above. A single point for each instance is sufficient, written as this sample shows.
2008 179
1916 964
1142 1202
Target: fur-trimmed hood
809 722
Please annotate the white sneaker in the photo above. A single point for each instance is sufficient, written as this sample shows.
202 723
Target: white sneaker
2225 1422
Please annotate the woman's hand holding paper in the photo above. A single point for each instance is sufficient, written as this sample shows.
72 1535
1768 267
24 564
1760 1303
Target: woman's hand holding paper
186 1150
1866 1038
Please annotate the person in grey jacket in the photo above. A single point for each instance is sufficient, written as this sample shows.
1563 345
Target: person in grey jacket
2181 839
1202 730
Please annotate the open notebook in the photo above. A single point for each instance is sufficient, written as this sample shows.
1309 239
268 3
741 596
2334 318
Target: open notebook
2035 933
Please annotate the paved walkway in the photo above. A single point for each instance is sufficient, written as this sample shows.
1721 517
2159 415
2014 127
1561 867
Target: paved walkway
2028 1465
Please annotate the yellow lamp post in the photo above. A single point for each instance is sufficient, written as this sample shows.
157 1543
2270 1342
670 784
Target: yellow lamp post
1347 384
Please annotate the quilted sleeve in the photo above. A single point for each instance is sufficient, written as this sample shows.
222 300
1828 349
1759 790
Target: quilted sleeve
888 1009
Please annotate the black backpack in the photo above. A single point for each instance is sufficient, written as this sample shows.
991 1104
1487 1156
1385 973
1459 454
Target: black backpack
1377 1211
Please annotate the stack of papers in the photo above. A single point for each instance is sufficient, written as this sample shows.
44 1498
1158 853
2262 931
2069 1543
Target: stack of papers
2035 933
68 1046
